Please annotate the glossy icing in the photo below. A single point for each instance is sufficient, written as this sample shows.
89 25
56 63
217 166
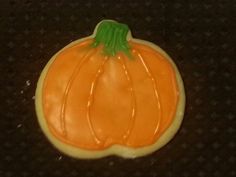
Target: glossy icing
94 98
154 83
133 110
67 90
90 101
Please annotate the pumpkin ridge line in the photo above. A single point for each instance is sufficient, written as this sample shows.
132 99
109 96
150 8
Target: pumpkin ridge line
153 80
133 113
90 100
67 90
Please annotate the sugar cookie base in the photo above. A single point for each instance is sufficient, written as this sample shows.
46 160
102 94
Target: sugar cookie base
118 150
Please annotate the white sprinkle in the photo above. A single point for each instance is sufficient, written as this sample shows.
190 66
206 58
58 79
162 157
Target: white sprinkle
33 97
22 91
28 82
60 157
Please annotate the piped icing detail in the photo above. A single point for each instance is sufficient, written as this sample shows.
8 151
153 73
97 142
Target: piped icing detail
90 101
67 90
155 88
113 36
133 110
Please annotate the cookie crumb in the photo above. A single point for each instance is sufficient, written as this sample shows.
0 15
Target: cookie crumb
19 126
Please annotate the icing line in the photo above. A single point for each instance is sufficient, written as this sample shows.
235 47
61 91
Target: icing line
67 90
133 111
150 75
90 100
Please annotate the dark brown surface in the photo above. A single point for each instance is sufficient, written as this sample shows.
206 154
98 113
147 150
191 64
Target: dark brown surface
200 37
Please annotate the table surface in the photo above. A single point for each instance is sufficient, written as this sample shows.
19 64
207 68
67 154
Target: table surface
200 37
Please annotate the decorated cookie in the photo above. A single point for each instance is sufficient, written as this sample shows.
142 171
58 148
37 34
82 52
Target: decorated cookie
110 94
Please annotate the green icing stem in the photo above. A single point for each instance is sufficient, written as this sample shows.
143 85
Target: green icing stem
113 36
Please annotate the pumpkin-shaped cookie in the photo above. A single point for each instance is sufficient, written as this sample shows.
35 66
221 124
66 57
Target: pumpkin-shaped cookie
110 94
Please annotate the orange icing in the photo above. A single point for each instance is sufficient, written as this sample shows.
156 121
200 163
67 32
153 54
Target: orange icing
93 101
